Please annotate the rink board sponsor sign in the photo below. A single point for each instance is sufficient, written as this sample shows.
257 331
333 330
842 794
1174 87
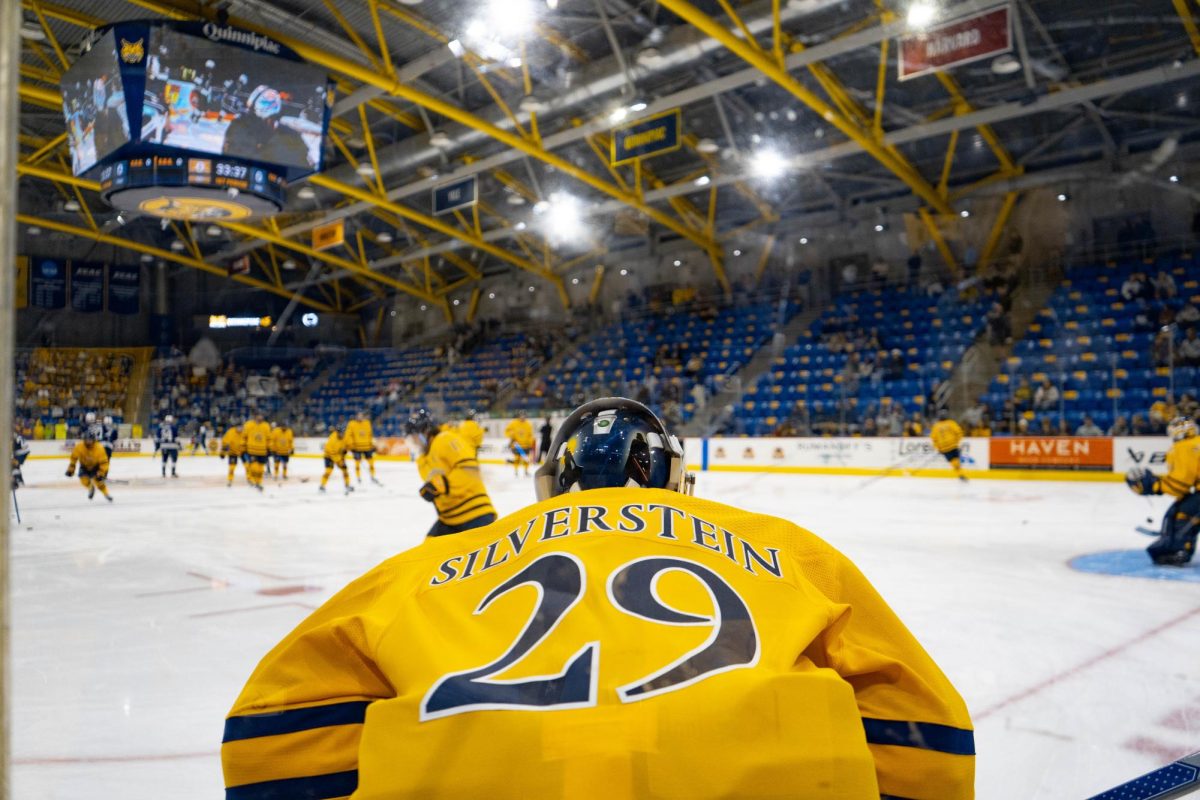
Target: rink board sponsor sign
1149 452
955 43
1053 452
818 454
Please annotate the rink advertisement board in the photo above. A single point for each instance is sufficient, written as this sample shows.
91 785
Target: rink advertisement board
1149 452
827 454
1053 452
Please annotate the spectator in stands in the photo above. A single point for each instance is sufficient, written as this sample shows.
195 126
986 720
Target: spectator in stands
1135 287
1162 351
896 366
1164 285
915 426
1045 426
1188 353
1063 428
1046 397
1120 427
1023 395
1188 316
1138 426
1188 407
699 396
869 427
1088 428
999 328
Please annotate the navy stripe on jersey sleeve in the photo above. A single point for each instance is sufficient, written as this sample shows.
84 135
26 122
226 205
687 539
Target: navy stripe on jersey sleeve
318 787
275 723
923 735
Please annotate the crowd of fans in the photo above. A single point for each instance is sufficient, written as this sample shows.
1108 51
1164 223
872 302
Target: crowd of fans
59 386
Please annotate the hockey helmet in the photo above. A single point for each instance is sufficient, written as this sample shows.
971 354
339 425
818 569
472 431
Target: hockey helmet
422 427
89 436
1182 428
168 420
89 417
108 420
472 414
613 442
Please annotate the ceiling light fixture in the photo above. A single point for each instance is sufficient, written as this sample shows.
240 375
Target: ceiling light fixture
365 171
178 246
33 230
624 272
288 264
213 230
71 205
921 13
306 193
707 146
703 180
440 139
768 164
384 237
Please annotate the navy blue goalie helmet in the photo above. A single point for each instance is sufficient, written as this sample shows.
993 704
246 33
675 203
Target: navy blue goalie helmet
610 443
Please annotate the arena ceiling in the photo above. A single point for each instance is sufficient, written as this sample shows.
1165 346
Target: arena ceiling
426 94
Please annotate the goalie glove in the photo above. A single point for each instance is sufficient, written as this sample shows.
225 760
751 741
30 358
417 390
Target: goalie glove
1141 481
434 487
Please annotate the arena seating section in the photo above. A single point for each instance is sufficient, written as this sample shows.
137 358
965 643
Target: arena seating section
932 334
62 384
1091 343
618 358
366 379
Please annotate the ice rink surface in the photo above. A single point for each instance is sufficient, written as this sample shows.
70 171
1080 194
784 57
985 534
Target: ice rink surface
136 624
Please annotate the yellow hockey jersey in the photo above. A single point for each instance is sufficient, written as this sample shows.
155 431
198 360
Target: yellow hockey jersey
614 643
89 457
359 435
282 441
335 447
258 437
471 433
946 435
1183 468
521 432
451 466
233 443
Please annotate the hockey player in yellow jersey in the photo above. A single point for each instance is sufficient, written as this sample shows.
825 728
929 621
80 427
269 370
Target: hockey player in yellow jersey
520 442
282 446
335 456
93 464
452 482
258 447
618 639
947 436
471 431
233 447
360 440
1176 544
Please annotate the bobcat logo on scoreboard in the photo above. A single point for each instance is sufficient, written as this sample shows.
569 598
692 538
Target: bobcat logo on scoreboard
133 52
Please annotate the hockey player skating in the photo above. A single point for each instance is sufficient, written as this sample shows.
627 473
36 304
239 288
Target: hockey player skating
335 456
200 440
20 452
447 465
167 441
93 465
108 436
617 639
1176 544
520 442
947 436
233 447
471 431
90 423
282 446
258 447
360 439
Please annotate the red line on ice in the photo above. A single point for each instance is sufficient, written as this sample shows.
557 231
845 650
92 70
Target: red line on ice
49 760
1091 662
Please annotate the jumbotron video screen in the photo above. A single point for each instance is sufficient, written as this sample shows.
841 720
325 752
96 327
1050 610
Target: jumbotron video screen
223 100
94 106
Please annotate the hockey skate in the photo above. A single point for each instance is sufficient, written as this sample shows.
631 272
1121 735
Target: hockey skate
173 474
375 481
91 492
349 489
321 489
108 498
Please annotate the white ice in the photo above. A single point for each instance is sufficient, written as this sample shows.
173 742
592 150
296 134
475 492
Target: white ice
135 624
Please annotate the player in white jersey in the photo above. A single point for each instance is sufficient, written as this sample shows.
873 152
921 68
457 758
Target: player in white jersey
168 442
108 436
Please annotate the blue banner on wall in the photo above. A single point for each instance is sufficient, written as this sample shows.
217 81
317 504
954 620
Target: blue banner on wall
124 289
48 283
87 286
661 133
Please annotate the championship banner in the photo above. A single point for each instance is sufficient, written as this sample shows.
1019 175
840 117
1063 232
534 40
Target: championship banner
1053 452
955 43
652 136
48 283
22 283
87 287
124 289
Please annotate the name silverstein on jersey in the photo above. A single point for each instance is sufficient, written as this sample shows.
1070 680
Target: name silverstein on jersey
650 519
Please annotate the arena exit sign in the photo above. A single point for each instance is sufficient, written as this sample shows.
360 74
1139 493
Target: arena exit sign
652 136
453 196
956 43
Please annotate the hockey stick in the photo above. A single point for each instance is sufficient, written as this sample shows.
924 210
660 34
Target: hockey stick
899 465
1142 529
1174 780
16 506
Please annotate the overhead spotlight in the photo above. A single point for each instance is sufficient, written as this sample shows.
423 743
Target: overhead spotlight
32 32
574 281
803 240
34 230
552 5
638 106
384 237
411 2
515 199
456 301
880 227
791 115
440 139
1006 65
707 146
491 295
532 104
178 246
768 164
288 264
1174 179
964 213
365 171
703 180
423 306
624 272
532 289
921 13
541 207
1063 197
618 114
648 57
520 226
737 253
147 258
678 263
306 193
213 230
456 47
393 312
121 220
